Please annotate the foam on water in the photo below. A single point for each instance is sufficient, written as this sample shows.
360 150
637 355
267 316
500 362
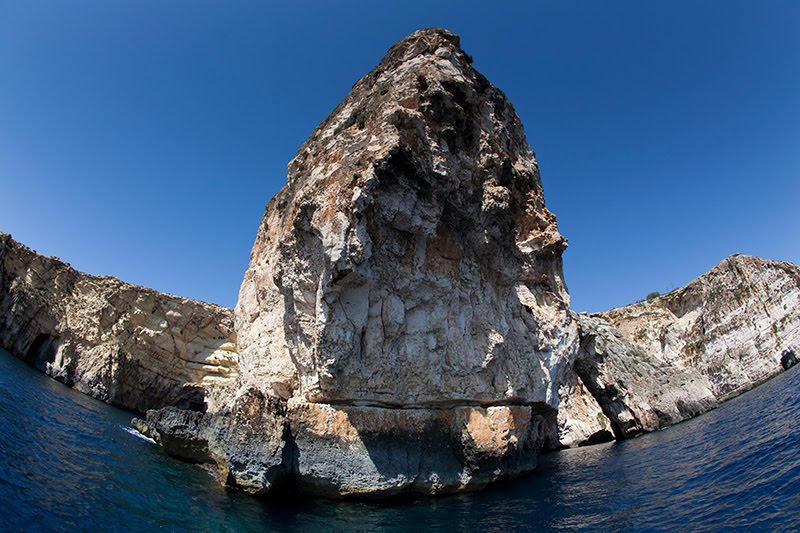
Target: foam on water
130 431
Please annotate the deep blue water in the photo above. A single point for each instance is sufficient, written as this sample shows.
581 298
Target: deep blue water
68 462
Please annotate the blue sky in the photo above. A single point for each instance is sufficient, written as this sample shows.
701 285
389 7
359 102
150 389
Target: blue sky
142 139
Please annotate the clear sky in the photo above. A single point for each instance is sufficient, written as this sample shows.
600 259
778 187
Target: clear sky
142 139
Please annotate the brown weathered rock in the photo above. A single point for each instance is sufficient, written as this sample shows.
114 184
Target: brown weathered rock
373 451
126 345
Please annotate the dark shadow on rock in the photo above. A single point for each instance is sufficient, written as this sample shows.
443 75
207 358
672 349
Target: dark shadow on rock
788 359
192 398
598 437
381 453
42 351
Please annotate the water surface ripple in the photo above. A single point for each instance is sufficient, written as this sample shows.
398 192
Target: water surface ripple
68 462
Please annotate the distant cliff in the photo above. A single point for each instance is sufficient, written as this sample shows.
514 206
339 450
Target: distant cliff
126 345
655 363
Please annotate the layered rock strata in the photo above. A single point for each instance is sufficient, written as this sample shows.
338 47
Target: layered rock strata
405 300
126 345
655 363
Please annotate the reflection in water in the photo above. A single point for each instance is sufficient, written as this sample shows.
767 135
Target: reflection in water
67 462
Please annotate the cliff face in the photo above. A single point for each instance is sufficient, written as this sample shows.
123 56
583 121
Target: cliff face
654 363
617 390
126 345
405 299
731 323
410 260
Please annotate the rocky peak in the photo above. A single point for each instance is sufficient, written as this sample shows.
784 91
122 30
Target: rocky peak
403 325
410 259
404 303
425 113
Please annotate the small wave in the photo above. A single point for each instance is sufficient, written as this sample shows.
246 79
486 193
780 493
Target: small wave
131 431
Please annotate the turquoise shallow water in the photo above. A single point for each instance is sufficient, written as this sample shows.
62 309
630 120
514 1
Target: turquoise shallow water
68 462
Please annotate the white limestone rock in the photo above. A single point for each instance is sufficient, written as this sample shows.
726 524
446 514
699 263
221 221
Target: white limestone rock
731 323
654 363
405 297
126 345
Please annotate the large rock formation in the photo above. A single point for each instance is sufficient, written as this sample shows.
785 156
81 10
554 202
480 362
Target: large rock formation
410 260
403 325
404 299
617 390
126 345
731 323
654 363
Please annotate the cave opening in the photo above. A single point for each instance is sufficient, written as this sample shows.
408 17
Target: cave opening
42 351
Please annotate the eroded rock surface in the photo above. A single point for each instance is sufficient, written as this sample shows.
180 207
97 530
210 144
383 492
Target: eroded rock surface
580 420
369 451
247 442
731 323
655 363
405 294
635 392
410 259
126 345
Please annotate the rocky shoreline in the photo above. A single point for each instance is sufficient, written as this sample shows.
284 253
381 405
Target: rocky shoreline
691 349
128 346
403 326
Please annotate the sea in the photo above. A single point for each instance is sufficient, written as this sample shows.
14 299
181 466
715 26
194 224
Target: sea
71 463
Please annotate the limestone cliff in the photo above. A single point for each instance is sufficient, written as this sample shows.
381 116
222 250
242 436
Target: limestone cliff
654 363
404 303
731 323
126 345
410 260
617 390
403 326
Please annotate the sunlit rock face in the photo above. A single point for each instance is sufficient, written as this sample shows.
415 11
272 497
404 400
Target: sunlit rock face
410 259
731 323
126 345
654 363
404 303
